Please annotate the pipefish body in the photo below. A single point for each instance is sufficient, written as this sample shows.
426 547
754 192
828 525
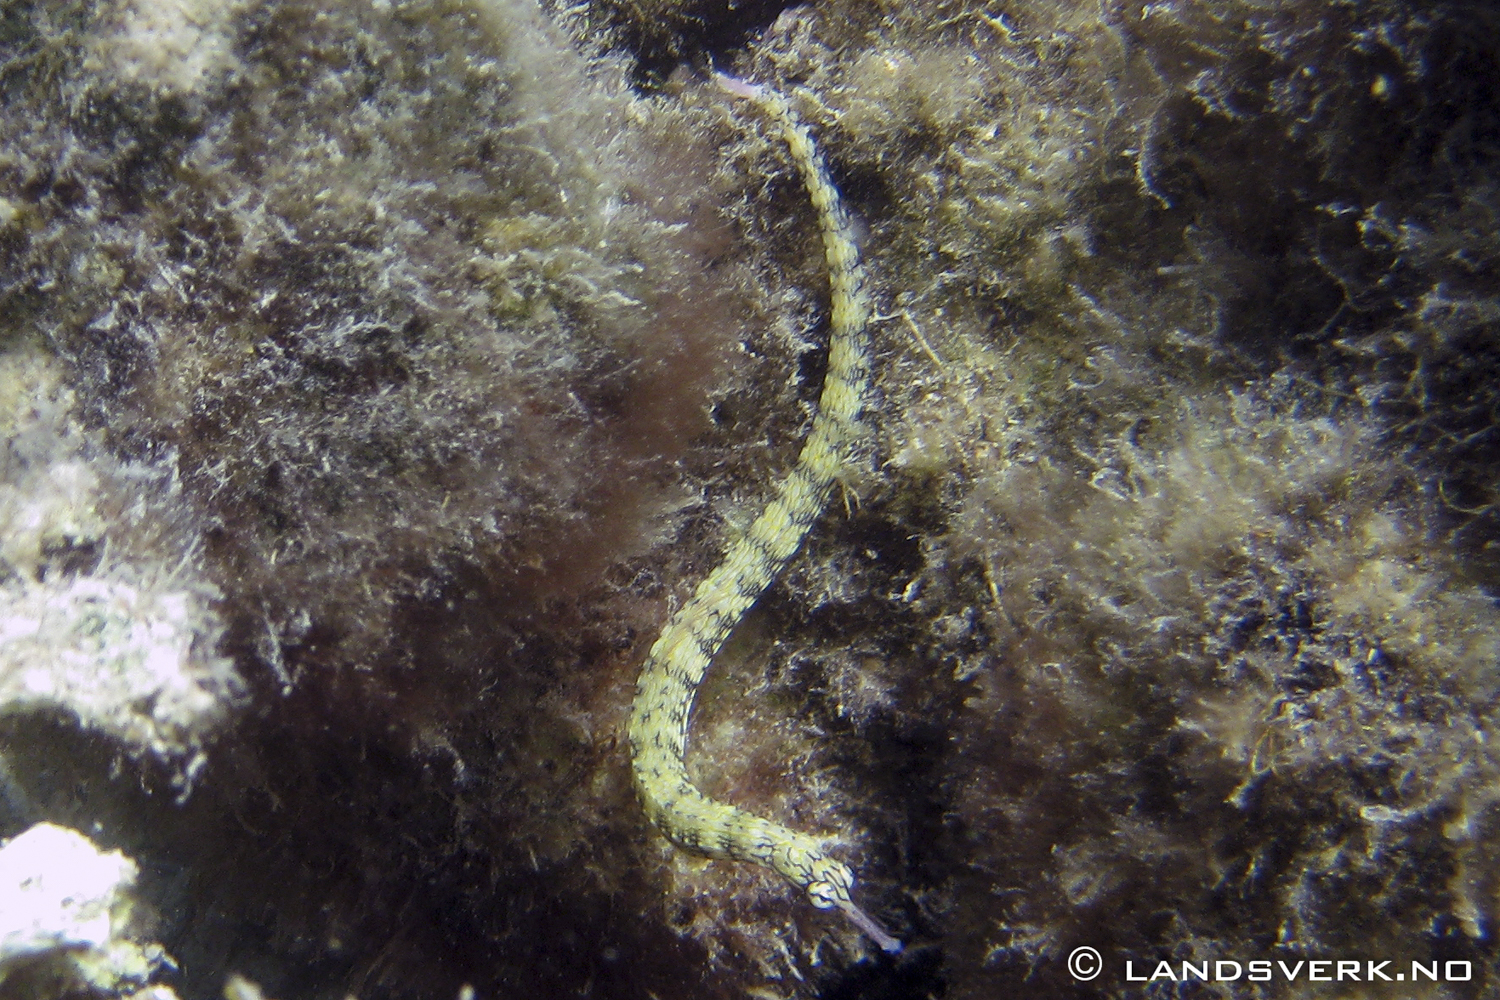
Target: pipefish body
687 646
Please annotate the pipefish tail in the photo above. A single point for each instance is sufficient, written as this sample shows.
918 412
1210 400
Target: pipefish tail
687 646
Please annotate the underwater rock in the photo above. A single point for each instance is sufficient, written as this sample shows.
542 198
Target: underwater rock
66 924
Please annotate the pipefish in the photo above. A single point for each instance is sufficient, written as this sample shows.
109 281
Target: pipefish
695 632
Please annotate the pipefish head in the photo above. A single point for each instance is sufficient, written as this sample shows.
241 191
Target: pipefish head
828 882
831 885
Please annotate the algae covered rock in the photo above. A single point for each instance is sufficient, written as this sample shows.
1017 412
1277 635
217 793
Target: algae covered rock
67 926
382 374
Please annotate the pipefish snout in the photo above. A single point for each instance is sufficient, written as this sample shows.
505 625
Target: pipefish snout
692 637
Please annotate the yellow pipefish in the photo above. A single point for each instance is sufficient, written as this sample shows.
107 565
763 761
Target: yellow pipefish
686 647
